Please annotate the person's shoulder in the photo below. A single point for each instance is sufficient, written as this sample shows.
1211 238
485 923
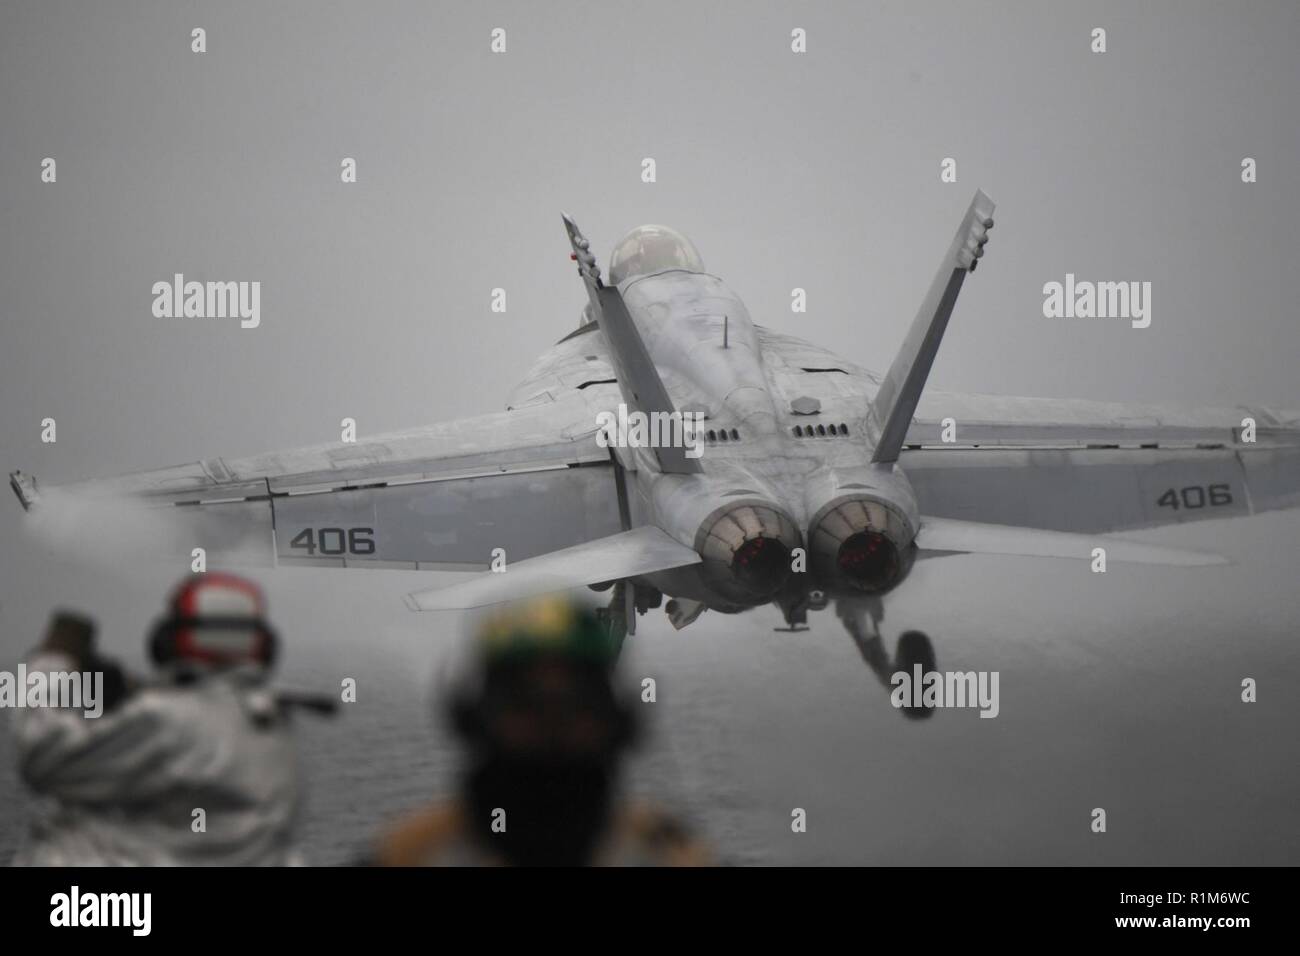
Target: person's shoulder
421 837
657 837
49 661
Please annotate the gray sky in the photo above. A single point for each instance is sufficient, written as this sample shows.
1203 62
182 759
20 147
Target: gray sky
817 170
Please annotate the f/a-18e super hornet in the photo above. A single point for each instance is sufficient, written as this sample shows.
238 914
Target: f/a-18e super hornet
819 481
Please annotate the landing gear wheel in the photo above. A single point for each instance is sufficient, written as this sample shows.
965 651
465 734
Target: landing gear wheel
915 648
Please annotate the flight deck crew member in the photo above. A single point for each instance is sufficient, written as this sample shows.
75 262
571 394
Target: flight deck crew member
544 729
197 767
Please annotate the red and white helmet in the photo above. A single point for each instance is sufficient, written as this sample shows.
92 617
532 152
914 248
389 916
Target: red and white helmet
217 620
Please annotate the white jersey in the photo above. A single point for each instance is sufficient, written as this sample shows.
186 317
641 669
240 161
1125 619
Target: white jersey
125 788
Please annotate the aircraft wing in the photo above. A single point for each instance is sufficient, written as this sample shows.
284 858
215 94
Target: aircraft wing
625 555
527 481
1085 466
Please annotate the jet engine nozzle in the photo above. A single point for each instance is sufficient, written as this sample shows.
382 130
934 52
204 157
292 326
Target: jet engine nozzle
746 550
862 544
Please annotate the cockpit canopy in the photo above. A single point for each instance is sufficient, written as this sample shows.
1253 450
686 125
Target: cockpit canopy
650 249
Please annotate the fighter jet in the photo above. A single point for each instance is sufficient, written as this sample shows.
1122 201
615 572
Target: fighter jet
803 480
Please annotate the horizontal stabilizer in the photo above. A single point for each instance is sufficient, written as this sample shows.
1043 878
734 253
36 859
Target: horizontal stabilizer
973 537
624 555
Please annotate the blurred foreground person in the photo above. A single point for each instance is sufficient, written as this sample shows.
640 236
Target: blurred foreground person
544 730
197 767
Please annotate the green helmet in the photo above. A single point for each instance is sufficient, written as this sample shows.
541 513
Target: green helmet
545 627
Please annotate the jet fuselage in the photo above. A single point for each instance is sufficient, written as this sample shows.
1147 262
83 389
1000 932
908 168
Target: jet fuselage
780 493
